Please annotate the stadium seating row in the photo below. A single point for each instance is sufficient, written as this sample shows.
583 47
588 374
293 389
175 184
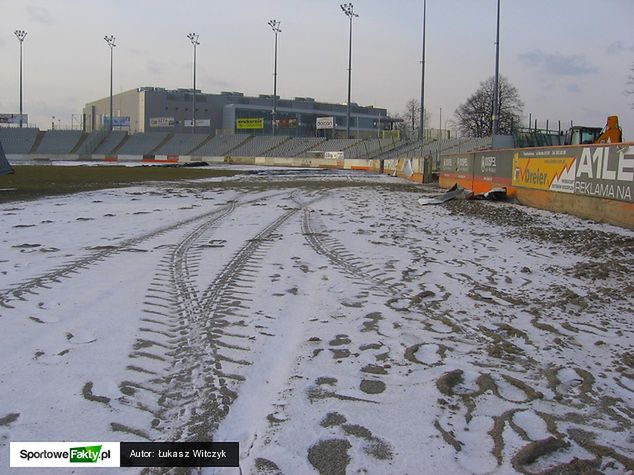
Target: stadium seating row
59 141
295 147
17 140
25 141
417 148
258 146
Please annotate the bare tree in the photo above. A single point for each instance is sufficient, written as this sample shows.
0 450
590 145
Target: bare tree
411 119
475 115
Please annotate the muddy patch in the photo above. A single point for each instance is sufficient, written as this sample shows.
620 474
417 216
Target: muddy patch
374 369
340 353
333 419
372 323
11 418
371 386
373 446
330 457
88 394
340 340
266 467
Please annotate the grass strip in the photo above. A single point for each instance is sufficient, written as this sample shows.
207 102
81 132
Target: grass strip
37 181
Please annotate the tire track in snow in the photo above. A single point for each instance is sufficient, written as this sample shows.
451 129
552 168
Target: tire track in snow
344 260
171 300
71 269
189 388
370 361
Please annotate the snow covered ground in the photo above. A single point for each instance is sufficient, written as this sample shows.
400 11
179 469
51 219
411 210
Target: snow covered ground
325 321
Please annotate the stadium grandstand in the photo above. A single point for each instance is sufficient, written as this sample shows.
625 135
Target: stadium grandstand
181 144
295 147
111 142
370 148
220 145
89 143
434 148
141 144
258 146
59 142
5 167
16 141
336 145
68 143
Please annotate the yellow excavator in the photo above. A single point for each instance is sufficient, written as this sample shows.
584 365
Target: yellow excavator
611 133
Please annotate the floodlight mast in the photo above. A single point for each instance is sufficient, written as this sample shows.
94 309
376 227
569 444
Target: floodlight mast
348 10
110 40
421 132
193 37
20 34
496 93
275 26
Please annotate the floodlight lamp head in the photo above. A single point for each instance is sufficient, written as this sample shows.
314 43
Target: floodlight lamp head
110 40
193 37
348 9
21 34
275 25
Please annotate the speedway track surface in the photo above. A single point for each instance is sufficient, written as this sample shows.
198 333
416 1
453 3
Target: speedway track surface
325 321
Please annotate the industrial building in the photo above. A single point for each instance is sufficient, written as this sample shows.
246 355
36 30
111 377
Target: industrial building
155 109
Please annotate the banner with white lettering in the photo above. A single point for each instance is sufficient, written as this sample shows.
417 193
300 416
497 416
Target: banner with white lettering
602 171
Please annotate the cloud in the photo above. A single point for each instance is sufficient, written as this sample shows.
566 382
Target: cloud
209 80
153 67
219 83
619 47
137 52
593 116
40 15
573 88
557 63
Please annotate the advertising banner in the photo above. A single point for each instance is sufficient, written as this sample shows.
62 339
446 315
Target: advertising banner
14 119
459 165
162 122
286 123
325 123
395 134
116 121
602 171
242 124
199 123
493 168
334 155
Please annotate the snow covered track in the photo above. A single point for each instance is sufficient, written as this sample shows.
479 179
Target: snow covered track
323 320
344 260
209 340
68 270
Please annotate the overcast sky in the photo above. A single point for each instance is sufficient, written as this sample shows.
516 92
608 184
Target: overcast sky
569 59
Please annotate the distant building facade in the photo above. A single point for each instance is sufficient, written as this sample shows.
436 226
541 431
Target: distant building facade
155 109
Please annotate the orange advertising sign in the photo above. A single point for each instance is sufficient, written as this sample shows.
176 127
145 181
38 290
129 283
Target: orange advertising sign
545 173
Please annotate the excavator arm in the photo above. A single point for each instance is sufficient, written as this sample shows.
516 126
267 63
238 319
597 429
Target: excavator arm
612 132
